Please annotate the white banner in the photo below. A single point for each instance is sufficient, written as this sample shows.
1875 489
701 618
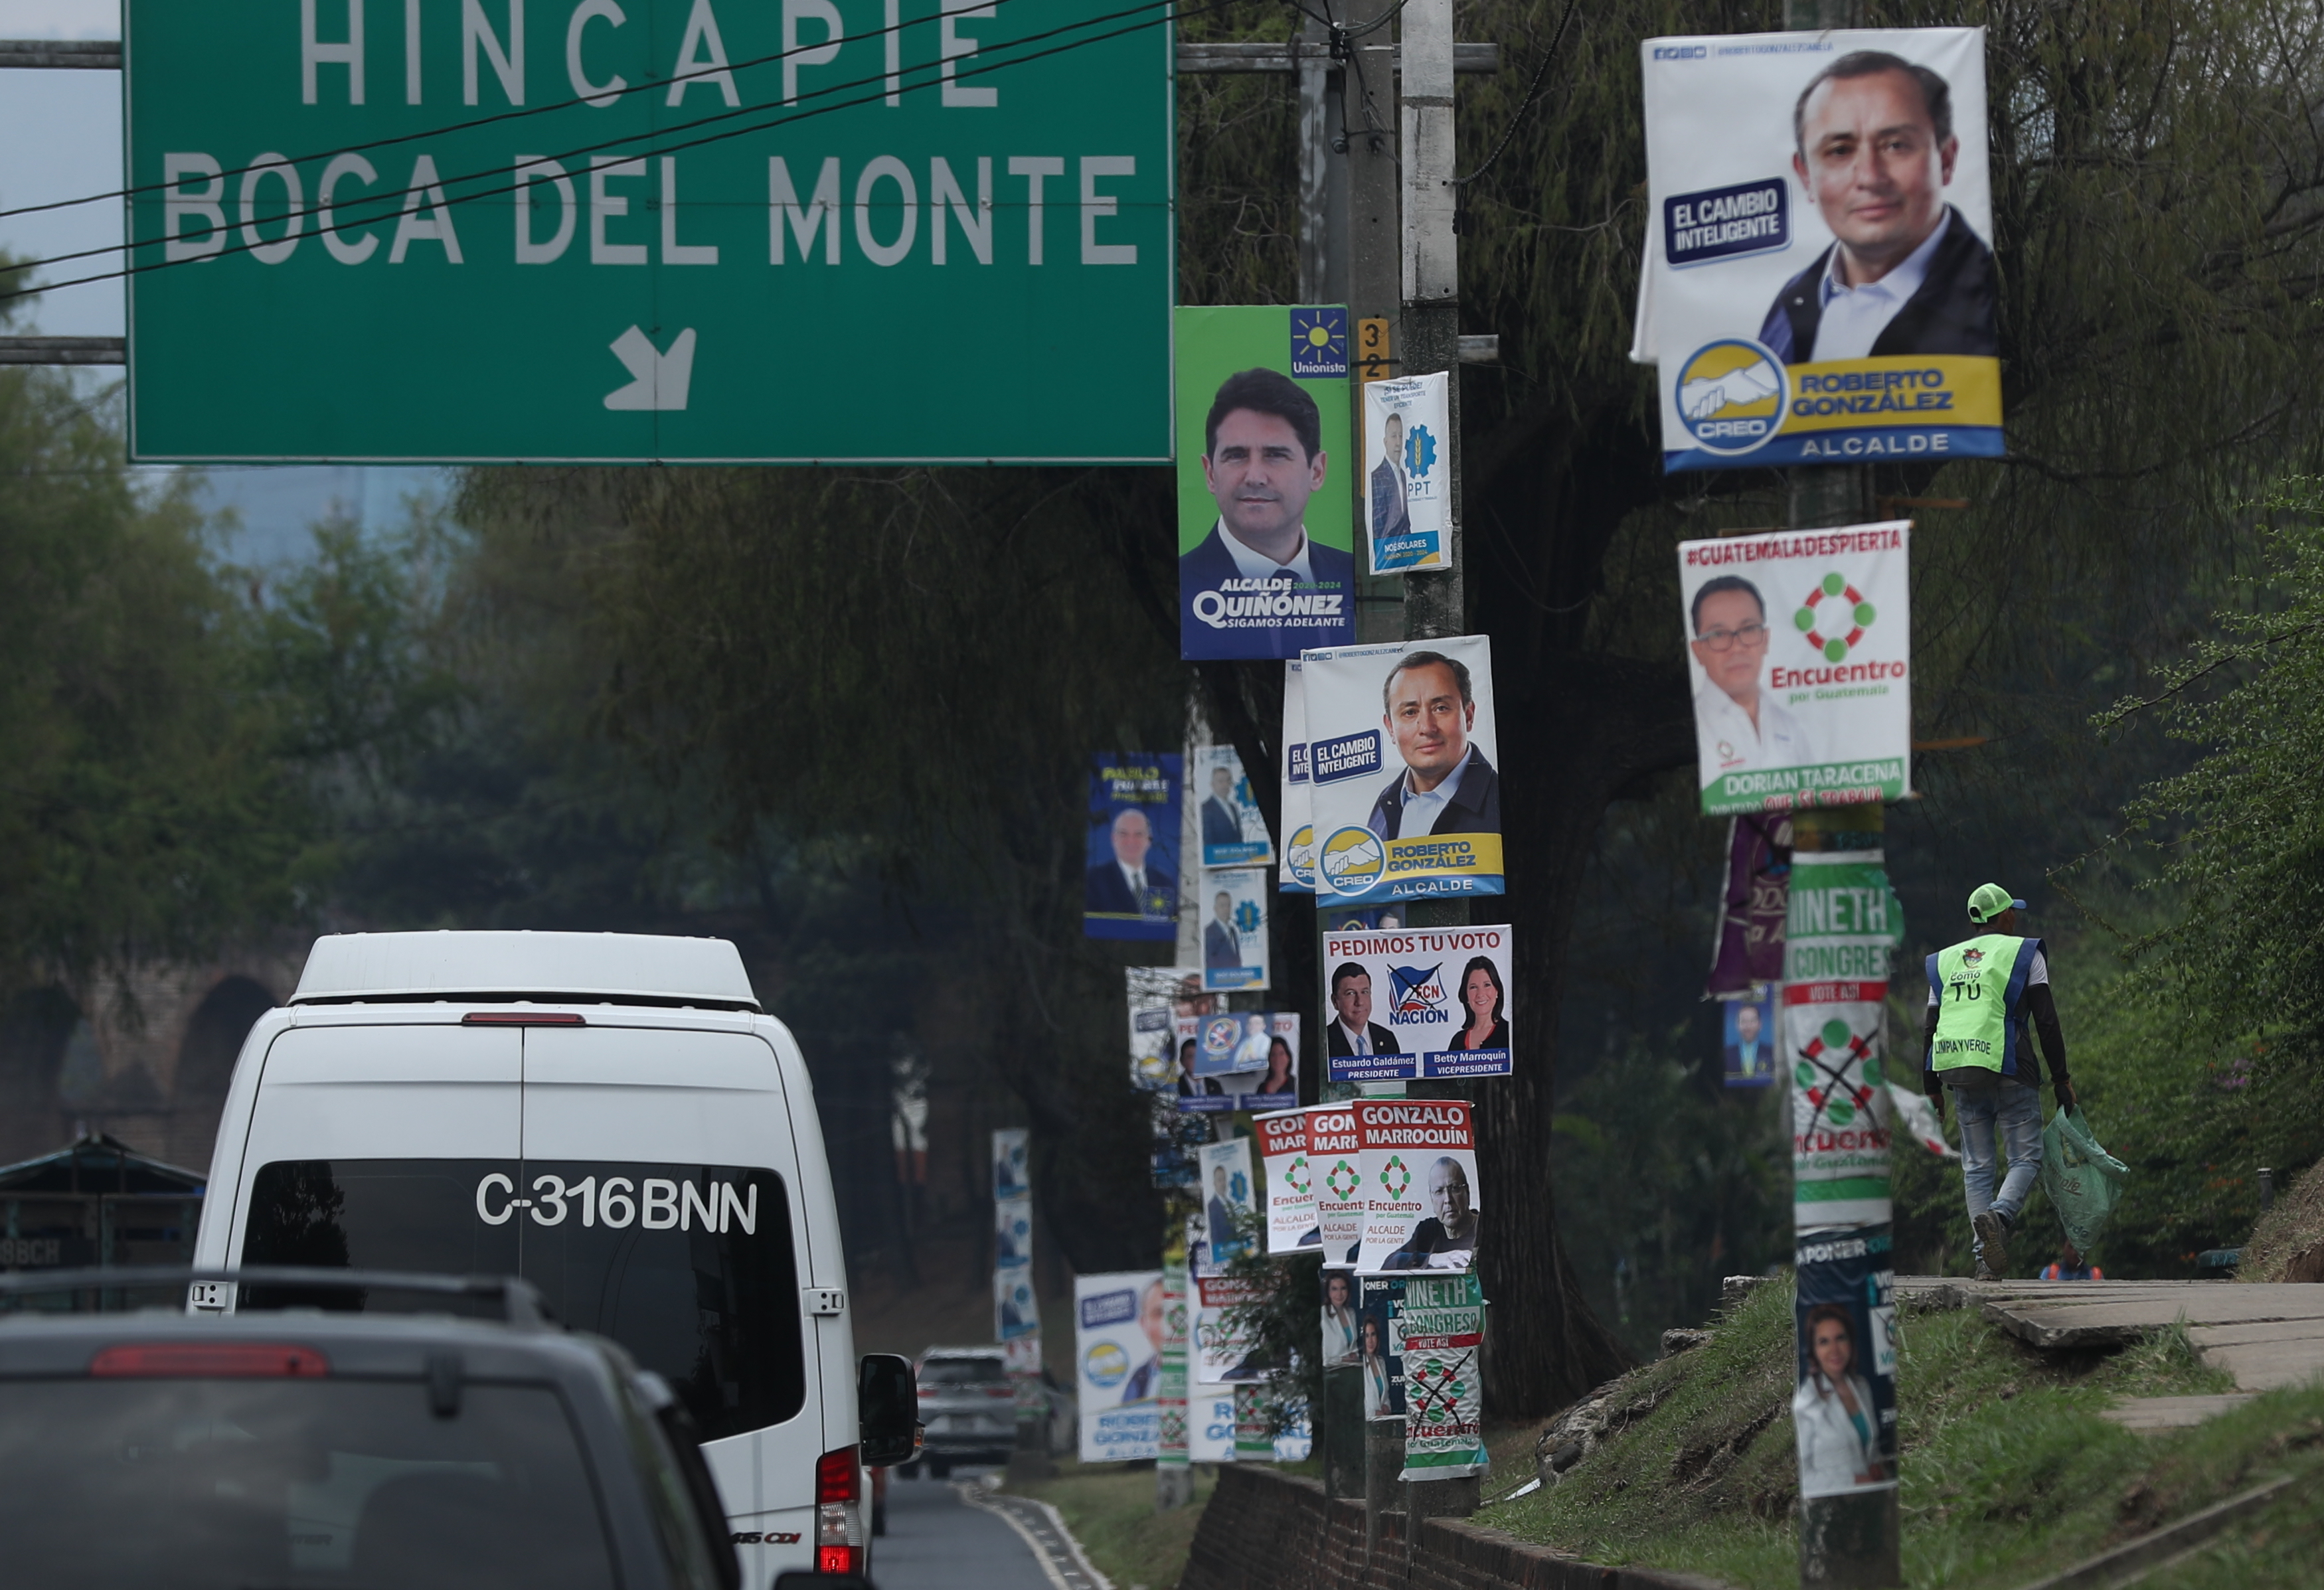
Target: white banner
1297 874
1335 1157
1234 832
1012 1231
1418 1002
1118 1351
1288 1176
1409 475
1799 646
1234 904
1009 1177
1402 755
1228 1200
1420 1184
1226 1342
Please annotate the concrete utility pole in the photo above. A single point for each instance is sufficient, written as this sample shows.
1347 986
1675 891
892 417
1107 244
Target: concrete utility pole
1851 1541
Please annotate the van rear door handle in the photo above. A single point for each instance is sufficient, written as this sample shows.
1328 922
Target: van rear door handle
823 1302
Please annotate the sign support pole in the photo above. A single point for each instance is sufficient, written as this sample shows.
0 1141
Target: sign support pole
1846 1542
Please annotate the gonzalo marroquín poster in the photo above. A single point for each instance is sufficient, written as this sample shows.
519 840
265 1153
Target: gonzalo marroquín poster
1819 279
1799 649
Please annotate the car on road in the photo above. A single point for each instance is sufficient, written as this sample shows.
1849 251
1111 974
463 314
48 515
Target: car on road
324 1448
611 1116
968 1404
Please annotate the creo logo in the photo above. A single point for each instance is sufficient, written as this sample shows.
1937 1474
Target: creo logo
1730 396
1351 860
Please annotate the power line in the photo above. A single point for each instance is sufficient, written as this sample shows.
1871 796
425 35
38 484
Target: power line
384 198
397 197
512 115
1539 73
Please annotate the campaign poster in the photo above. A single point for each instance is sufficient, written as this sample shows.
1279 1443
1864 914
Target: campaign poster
1844 1409
1418 1002
1155 998
1241 1061
1119 1362
1288 1177
1342 1345
1420 1184
1442 1328
1211 1423
1234 905
1358 919
1798 644
1254 1441
1012 1230
1401 753
1296 873
1011 1178
1016 1311
1335 1155
1234 832
1380 1348
1170 1398
1746 1038
1748 949
1230 1203
1177 1143
1845 925
1266 562
1130 889
1793 318
1409 479
1226 1338
1023 1359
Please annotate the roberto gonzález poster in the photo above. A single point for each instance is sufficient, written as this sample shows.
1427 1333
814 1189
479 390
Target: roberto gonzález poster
1266 525
1819 282
1799 645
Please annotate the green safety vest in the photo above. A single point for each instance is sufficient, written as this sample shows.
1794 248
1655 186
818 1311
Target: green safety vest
1979 984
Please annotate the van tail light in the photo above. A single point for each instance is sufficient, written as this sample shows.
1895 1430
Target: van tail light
210 1361
839 1512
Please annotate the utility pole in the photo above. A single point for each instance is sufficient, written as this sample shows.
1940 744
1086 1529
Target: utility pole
1851 1541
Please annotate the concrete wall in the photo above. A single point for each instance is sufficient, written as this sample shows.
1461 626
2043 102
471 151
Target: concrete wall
1266 1531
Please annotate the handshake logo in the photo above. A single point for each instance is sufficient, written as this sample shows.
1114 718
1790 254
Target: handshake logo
1730 396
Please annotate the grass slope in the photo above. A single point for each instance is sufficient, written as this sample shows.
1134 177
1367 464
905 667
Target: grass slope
1110 1509
2009 1471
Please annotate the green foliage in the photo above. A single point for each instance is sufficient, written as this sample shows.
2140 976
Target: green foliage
145 811
1664 1188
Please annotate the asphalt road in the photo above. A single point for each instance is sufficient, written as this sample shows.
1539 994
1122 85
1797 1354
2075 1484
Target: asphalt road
937 1541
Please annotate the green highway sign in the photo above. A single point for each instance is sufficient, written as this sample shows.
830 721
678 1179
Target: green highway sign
695 231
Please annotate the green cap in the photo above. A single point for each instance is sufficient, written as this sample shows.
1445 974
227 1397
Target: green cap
1989 901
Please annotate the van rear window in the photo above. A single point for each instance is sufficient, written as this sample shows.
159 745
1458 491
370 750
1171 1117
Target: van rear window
691 1267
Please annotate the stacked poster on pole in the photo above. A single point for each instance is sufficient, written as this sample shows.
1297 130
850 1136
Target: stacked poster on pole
1237 875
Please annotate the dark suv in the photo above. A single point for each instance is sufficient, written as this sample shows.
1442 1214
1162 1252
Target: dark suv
318 1448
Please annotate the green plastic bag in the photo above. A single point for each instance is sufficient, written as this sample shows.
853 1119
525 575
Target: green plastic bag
2083 1180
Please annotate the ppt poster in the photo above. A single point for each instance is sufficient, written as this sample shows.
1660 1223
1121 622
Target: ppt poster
1234 830
1408 475
1799 647
1118 1351
1819 279
1418 1002
1402 749
1266 526
1234 902
1130 889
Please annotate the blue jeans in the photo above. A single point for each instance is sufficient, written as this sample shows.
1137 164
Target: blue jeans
2014 1114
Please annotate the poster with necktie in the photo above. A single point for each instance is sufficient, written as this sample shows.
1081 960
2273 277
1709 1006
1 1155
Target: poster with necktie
1129 887
1408 479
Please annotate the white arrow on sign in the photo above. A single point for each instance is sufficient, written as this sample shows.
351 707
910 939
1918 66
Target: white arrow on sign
659 380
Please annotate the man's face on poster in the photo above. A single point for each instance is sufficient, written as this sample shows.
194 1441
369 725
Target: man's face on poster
1219 1180
1223 908
1871 162
1131 836
1260 475
1430 721
1392 439
1149 1314
1448 1193
1353 999
1223 784
1746 1024
1732 619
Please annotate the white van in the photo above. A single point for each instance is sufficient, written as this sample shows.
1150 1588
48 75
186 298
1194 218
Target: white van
611 1117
